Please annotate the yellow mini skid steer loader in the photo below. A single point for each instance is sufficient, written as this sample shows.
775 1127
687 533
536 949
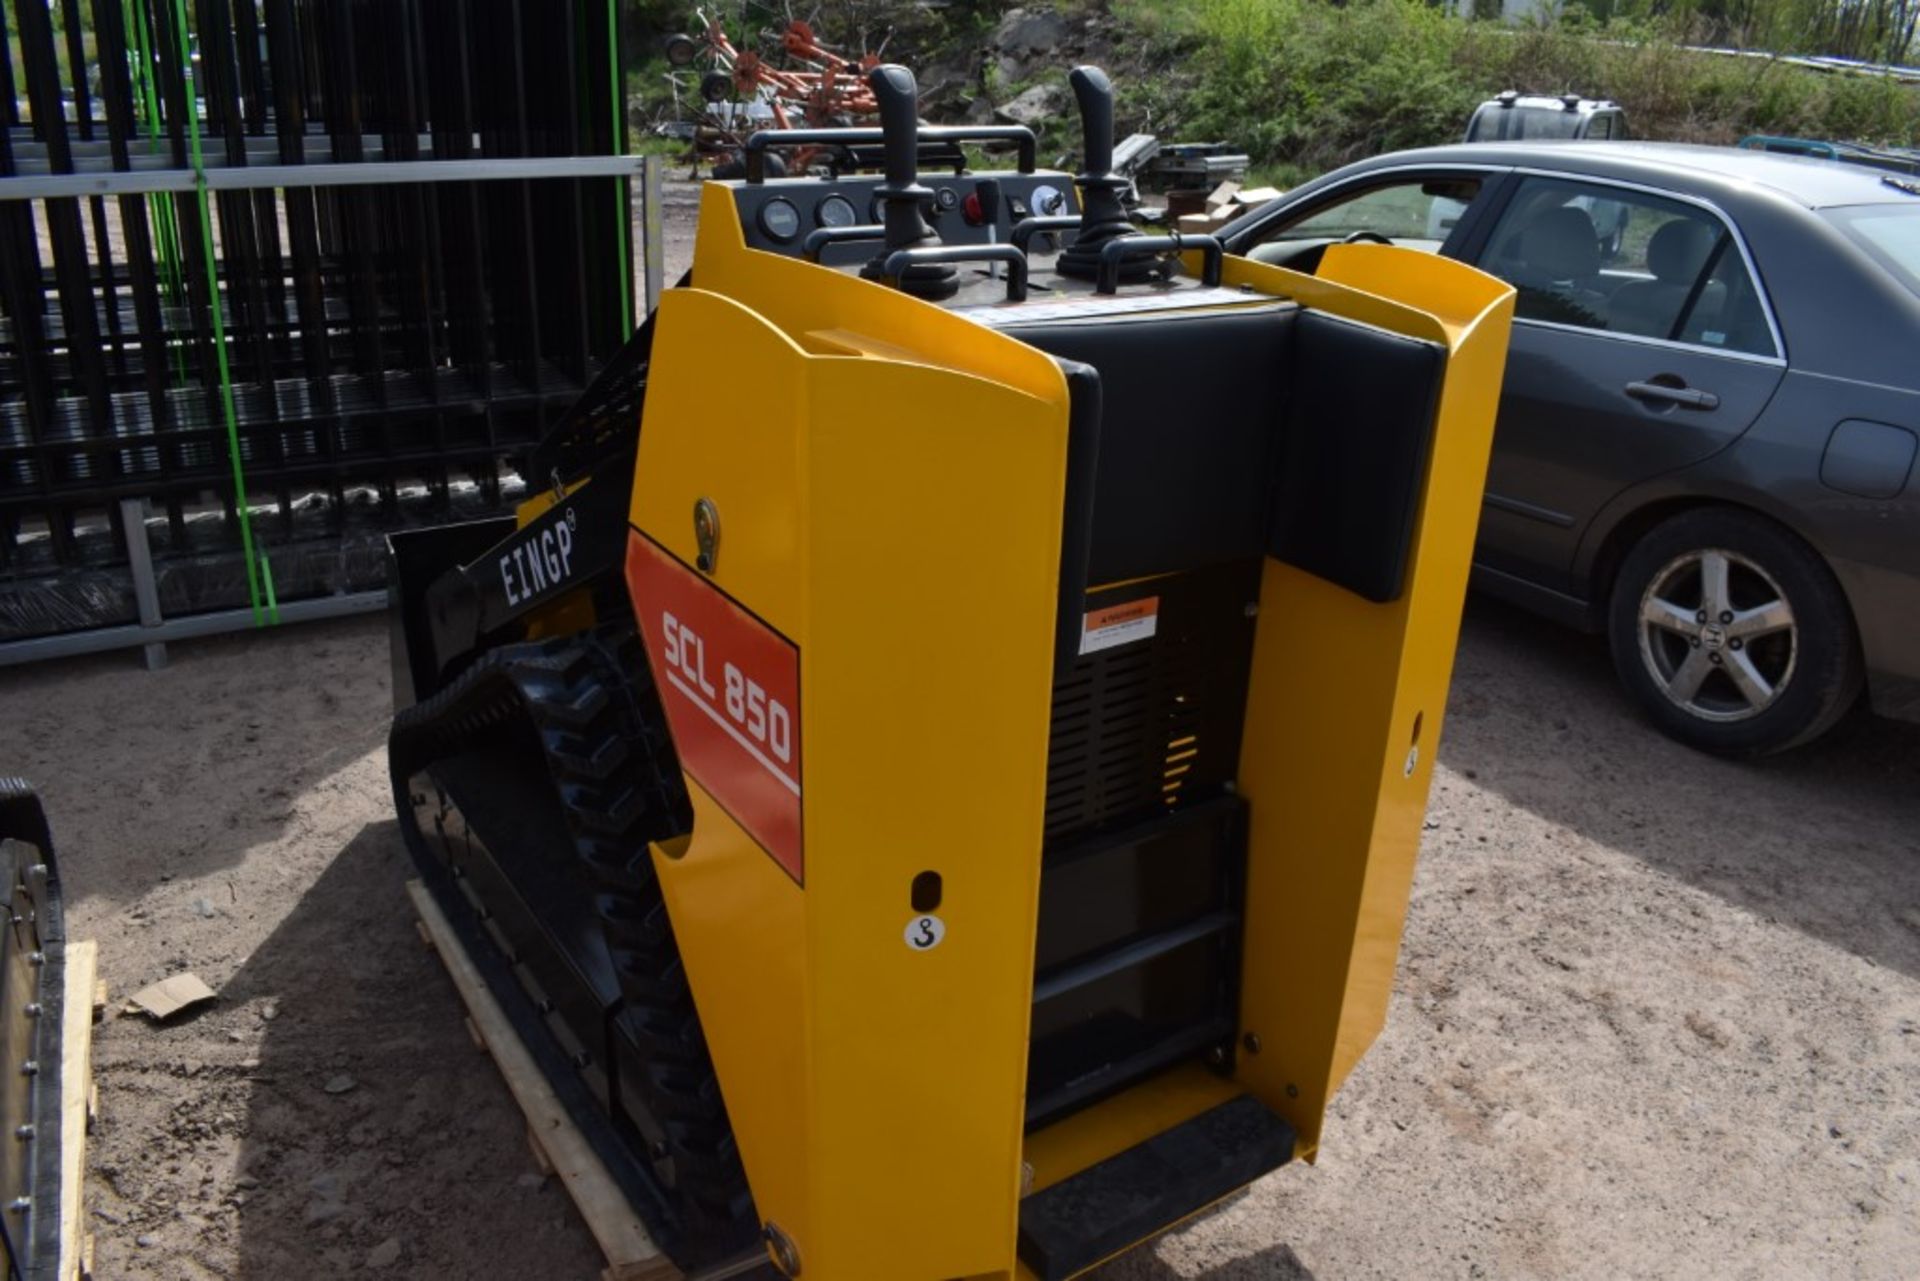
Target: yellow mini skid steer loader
940 766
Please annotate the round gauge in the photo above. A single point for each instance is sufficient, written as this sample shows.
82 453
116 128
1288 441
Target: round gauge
836 211
945 198
779 219
1047 201
879 210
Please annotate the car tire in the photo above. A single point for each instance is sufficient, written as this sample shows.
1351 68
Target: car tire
1732 634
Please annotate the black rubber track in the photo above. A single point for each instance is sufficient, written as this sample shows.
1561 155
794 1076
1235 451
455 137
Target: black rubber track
590 702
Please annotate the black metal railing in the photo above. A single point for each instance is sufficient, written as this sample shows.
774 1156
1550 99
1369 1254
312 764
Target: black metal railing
258 301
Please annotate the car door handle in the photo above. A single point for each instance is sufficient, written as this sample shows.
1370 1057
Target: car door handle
1688 397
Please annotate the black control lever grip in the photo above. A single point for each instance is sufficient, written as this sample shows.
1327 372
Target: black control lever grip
1103 216
987 193
1094 92
901 195
1116 254
899 100
901 263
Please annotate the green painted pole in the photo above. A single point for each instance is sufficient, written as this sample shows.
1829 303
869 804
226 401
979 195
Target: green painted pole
272 613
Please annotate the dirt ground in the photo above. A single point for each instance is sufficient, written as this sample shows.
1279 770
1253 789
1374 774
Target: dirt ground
1657 1015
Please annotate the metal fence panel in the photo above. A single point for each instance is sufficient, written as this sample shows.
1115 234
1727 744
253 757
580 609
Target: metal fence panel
289 274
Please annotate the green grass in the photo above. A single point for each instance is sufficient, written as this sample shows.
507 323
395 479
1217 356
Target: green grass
87 48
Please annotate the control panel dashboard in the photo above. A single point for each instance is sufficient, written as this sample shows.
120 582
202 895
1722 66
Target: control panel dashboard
777 215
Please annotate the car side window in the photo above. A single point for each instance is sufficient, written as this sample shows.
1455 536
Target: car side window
1626 262
1729 313
1419 214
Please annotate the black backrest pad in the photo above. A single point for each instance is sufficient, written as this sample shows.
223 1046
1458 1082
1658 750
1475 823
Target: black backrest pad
1263 429
1353 454
1076 523
1191 405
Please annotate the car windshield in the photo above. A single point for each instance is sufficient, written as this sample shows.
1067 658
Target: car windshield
1890 233
1525 120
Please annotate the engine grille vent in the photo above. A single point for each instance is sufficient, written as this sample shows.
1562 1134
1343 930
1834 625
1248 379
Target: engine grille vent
1154 724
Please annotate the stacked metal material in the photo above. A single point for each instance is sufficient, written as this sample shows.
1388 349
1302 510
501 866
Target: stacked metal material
278 373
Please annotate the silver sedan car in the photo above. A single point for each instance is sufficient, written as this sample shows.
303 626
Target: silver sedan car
1707 438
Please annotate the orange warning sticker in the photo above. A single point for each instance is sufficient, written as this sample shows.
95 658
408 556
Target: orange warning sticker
1121 624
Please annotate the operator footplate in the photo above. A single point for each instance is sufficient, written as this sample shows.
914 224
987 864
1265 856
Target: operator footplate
1137 964
1069 1227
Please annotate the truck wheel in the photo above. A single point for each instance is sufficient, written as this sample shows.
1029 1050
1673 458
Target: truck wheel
1733 634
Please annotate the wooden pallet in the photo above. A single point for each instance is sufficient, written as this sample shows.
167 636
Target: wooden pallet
81 1003
560 1151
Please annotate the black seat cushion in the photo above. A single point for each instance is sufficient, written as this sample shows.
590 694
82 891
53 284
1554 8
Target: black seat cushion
1190 408
1229 434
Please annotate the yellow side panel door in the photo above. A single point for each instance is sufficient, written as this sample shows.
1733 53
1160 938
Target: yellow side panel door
899 524
1345 704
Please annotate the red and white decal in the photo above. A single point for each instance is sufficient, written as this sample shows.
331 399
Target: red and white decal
1122 624
731 687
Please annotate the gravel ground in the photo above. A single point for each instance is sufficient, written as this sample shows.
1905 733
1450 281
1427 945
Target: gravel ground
1658 1015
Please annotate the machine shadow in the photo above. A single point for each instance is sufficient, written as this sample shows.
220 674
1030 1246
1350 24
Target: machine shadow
1825 838
1275 1263
372 1117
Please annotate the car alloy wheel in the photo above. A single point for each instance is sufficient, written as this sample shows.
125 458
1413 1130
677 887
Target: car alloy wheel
1732 634
1717 634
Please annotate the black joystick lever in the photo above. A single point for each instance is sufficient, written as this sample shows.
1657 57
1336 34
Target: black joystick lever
901 195
1102 216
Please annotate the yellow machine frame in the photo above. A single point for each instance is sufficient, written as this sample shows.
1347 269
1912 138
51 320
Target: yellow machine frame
876 1093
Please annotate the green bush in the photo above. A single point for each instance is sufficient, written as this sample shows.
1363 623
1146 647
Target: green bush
1305 86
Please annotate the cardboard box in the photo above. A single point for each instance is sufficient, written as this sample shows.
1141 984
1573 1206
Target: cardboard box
1223 194
1226 201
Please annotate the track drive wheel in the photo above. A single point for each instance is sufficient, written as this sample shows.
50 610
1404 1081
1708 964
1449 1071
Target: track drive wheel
613 762
588 703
